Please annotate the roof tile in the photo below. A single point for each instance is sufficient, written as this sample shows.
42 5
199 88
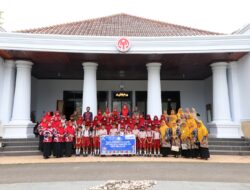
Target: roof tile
120 25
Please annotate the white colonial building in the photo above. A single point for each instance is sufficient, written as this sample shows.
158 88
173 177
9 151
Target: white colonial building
121 59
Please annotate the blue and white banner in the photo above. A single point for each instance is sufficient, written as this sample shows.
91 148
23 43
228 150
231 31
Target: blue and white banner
118 145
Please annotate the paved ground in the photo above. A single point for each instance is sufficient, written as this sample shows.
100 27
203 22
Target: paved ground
161 185
75 173
25 173
39 159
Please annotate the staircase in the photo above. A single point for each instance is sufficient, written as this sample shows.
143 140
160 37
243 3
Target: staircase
217 146
19 147
228 146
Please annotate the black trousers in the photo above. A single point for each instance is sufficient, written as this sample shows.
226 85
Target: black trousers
41 143
57 149
68 149
47 149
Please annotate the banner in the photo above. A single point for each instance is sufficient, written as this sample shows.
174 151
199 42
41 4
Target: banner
118 145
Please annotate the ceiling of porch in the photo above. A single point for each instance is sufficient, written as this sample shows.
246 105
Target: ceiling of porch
51 65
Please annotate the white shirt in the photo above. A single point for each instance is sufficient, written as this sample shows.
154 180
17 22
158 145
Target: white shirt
149 133
85 133
102 132
142 134
136 132
156 135
113 132
122 133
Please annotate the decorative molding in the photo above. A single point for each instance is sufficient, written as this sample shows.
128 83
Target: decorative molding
141 45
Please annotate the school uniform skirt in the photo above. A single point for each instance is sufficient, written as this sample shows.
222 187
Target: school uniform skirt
204 153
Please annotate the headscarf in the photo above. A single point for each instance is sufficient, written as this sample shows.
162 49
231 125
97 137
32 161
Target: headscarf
163 129
185 132
179 113
202 131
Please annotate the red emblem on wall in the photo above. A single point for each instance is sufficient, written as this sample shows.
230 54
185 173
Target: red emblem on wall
123 45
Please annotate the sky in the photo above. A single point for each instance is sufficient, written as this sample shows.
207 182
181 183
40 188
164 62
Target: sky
224 16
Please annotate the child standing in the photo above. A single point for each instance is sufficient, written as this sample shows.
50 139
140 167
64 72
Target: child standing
78 143
149 141
142 137
156 141
136 132
86 140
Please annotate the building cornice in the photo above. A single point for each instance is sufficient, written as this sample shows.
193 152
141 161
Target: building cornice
139 45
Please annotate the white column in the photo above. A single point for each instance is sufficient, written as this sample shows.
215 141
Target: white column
22 98
234 95
154 104
222 125
8 91
20 125
1 92
89 87
1 84
234 91
221 108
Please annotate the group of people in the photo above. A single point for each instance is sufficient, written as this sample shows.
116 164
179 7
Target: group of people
178 134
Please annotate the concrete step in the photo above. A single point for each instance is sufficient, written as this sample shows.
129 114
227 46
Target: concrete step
21 143
226 139
227 143
20 148
228 152
20 140
232 148
20 153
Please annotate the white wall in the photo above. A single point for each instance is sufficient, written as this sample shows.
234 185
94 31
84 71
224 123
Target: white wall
45 93
244 86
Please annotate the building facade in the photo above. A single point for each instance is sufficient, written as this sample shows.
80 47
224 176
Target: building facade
156 66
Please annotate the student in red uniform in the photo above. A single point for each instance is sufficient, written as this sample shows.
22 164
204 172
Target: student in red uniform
141 121
78 143
156 141
115 113
47 116
149 142
142 137
155 122
69 138
113 131
125 111
130 124
47 141
58 139
99 115
86 140
128 131
96 140
148 121
121 131
43 125
108 127
136 131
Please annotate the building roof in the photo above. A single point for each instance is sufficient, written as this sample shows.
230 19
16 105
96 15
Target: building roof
244 30
2 29
119 25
